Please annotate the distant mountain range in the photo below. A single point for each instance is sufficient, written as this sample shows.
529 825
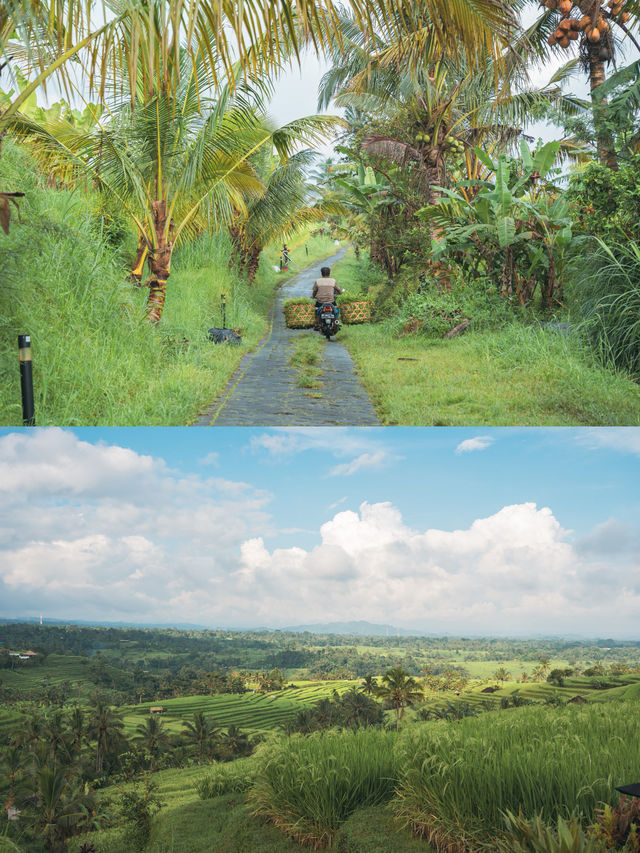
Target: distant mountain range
357 629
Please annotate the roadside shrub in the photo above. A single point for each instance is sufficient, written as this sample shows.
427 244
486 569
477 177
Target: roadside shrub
432 312
606 201
309 785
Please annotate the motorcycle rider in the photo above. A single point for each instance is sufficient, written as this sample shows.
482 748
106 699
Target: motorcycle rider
325 289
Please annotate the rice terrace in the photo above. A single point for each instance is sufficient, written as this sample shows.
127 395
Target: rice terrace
186 740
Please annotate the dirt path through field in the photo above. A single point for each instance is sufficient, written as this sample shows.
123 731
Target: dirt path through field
264 392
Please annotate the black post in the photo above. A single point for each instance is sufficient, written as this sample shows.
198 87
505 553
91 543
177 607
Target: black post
223 301
26 380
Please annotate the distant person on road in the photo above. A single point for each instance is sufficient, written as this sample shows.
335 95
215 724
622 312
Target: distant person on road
286 258
325 289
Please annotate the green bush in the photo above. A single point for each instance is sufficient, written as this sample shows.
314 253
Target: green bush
606 201
434 312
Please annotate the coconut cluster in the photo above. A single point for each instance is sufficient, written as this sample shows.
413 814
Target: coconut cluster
594 25
455 145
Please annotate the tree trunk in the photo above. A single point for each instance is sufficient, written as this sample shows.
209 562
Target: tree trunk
159 263
237 237
604 137
252 263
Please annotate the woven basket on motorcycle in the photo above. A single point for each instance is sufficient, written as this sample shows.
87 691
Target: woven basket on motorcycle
356 312
299 315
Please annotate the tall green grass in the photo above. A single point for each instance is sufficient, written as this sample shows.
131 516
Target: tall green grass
458 780
309 785
608 300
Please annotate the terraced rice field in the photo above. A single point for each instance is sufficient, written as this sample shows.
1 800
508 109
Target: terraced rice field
623 687
257 712
55 670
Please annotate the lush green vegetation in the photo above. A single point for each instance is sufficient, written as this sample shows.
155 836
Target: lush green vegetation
160 739
508 369
469 235
92 347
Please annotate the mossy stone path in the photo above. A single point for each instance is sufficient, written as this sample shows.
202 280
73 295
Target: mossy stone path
264 391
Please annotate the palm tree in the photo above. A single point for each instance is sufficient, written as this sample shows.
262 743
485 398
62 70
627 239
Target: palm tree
13 758
176 160
281 208
359 709
259 35
590 26
76 726
105 728
58 807
235 743
419 126
369 685
152 736
502 675
201 732
400 690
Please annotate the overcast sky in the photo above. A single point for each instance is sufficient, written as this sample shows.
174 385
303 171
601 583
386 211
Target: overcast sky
498 531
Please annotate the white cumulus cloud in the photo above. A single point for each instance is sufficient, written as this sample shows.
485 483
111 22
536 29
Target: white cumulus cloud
480 442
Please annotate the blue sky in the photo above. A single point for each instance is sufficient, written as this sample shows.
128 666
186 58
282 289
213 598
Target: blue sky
497 530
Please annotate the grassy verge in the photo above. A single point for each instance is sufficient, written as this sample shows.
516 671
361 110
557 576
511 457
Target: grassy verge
516 374
95 359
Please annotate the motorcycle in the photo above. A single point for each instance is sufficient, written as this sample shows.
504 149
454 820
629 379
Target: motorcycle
328 321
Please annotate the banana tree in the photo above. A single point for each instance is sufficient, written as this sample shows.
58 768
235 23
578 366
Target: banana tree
373 206
517 224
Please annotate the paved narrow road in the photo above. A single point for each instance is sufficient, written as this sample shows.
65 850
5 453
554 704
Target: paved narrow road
263 391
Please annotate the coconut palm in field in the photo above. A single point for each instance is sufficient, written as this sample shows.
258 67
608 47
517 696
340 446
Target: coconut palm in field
369 685
57 805
502 675
178 161
105 727
281 208
201 732
442 108
152 735
400 690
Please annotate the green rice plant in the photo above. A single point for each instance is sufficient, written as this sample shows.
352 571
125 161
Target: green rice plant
309 785
608 295
458 781
227 779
